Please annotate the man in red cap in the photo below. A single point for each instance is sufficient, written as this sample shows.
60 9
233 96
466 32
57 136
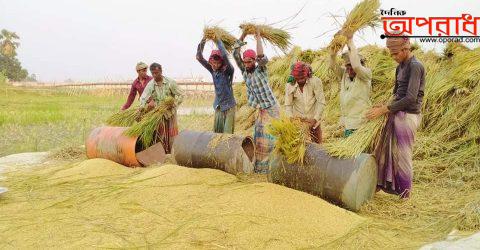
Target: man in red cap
260 96
394 152
304 99
222 73
138 85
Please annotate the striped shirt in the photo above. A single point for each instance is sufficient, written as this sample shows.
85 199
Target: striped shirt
259 92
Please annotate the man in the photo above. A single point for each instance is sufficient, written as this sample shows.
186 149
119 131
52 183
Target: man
160 88
355 87
222 73
393 153
304 99
260 96
138 85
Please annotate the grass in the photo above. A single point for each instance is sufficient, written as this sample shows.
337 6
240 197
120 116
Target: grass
50 119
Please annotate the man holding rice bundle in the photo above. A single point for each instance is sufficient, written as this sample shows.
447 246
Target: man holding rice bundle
138 85
393 152
159 89
304 99
260 97
222 73
355 87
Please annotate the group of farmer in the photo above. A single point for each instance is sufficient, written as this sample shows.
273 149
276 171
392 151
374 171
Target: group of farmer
305 101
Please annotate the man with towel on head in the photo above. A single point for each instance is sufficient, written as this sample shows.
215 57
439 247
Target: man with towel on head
260 97
138 85
393 152
222 73
304 99
355 87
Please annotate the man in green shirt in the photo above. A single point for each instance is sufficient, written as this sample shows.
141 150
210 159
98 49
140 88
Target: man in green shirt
355 87
158 89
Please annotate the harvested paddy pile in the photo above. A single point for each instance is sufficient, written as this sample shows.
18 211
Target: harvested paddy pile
106 205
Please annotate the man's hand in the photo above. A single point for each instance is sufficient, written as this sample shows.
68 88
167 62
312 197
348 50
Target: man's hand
151 104
348 35
311 122
377 111
257 35
242 37
139 114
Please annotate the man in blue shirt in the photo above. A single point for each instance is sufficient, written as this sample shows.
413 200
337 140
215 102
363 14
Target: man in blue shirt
222 73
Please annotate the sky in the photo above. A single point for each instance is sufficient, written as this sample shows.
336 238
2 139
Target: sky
93 40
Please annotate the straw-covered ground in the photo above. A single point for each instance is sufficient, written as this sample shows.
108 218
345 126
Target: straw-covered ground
100 204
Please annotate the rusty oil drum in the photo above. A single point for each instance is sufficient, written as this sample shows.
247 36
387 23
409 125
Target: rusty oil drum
110 143
346 182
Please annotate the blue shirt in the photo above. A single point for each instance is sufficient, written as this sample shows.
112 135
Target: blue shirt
222 79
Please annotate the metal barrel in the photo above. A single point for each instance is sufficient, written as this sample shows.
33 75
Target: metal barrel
231 153
110 143
346 182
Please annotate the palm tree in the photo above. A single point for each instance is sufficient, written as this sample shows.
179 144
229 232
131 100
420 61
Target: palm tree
8 43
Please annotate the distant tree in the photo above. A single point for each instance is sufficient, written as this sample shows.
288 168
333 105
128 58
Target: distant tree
8 43
8 60
31 78
12 68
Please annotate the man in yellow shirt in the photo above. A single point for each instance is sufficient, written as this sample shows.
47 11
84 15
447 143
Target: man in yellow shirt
304 99
355 88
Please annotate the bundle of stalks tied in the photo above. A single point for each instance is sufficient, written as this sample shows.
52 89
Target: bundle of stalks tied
362 15
362 140
147 127
214 33
124 118
291 136
277 37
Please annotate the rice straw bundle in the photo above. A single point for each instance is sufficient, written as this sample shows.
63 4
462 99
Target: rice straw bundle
360 141
277 37
362 15
124 118
214 33
240 93
291 136
245 117
147 127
